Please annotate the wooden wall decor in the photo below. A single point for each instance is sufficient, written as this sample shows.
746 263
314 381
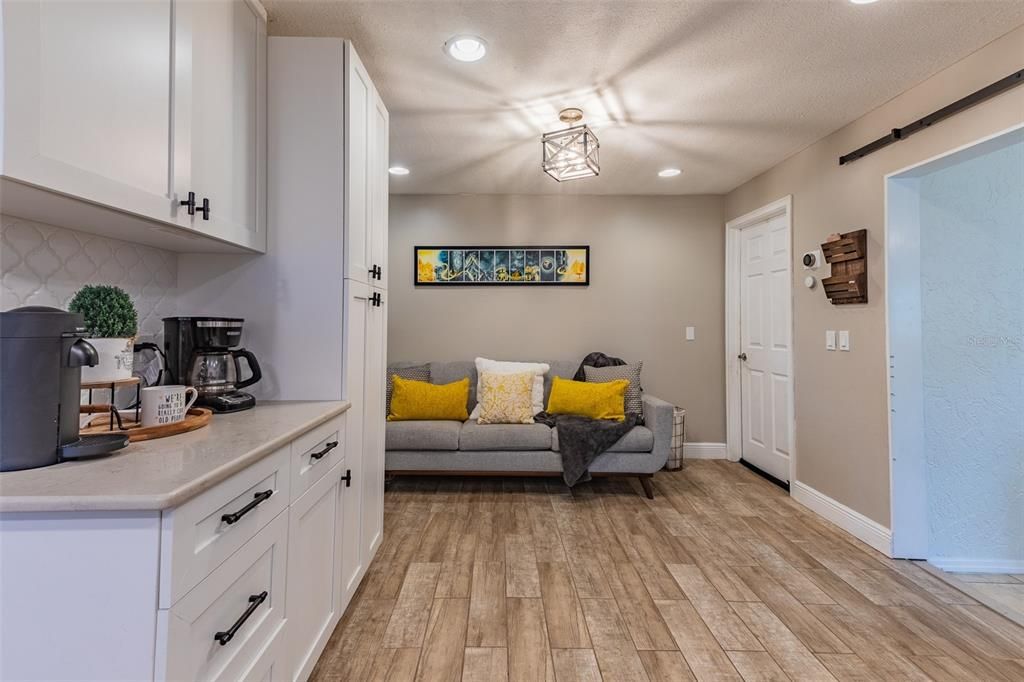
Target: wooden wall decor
848 256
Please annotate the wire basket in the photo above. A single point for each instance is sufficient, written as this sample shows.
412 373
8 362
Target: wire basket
675 458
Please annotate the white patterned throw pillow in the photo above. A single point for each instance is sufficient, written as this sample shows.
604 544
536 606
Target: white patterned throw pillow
506 398
539 369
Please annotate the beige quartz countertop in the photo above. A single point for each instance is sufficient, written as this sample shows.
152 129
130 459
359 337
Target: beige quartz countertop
159 474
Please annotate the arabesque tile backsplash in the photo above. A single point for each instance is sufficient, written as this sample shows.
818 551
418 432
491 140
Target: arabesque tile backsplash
45 265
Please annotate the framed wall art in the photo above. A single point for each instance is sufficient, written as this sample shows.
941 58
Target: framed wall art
501 265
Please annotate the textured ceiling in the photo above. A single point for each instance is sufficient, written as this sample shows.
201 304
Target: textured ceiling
723 90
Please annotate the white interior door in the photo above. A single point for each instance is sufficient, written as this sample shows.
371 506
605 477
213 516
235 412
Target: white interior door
766 379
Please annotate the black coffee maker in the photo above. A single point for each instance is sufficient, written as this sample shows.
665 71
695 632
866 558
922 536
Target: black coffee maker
42 352
201 352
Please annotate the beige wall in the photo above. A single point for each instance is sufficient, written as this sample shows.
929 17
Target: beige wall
841 403
657 266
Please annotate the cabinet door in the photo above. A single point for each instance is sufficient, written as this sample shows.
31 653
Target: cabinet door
313 576
219 122
87 100
378 164
373 428
357 322
358 181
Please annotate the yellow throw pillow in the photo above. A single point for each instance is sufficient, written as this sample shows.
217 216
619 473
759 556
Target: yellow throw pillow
605 400
506 398
419 400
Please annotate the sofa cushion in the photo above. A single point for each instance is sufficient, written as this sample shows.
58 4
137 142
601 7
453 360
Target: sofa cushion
422 435
479 437
639 439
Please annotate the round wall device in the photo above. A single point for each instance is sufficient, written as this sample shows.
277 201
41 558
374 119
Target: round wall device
809 282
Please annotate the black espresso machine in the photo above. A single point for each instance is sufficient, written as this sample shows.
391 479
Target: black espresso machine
42 352
202 352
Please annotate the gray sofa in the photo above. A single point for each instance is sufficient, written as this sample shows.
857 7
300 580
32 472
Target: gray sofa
468 448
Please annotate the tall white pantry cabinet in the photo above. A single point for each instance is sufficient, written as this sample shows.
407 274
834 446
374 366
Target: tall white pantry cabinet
326 264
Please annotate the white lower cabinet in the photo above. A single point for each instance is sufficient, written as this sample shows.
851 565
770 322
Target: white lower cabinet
374 420
246 580
314 575
266 608
217 630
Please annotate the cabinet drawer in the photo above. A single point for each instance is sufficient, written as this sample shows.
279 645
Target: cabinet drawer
199 535
219 630
313 454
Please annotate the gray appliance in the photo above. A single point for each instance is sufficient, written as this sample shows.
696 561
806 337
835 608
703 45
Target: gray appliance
42 352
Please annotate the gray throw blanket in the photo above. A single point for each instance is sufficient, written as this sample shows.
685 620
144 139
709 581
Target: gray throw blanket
596 360
581 440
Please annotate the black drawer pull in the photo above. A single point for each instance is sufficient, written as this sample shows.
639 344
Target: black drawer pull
255 600
258 498
327 448
347 478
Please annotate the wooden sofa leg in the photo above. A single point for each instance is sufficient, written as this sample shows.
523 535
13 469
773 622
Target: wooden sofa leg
648 486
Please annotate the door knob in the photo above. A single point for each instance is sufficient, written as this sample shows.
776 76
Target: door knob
742 356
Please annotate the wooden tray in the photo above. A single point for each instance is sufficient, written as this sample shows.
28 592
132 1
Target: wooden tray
196 418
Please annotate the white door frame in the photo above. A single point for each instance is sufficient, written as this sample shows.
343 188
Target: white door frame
908 494
733 341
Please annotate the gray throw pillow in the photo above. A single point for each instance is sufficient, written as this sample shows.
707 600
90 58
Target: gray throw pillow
417 373
631 372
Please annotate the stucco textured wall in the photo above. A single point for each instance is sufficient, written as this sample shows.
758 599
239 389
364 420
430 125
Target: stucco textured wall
972 303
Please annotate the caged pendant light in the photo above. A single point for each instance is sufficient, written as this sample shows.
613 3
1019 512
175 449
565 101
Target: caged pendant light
572 153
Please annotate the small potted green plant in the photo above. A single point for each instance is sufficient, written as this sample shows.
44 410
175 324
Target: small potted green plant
112 322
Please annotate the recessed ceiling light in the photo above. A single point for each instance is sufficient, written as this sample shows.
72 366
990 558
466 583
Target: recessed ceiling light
466 48
863 2
398 170
669 173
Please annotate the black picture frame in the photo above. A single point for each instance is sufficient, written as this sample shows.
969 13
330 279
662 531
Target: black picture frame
511 262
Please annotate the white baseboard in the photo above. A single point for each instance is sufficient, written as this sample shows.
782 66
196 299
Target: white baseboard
704 451
856 524
978 565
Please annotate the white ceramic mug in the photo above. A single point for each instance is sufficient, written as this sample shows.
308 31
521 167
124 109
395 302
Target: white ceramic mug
166 404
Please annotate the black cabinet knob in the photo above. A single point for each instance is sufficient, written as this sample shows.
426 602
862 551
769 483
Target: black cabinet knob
205 209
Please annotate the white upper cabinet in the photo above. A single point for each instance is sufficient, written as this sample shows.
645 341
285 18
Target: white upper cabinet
219 122
378 173
358 138
366 174
86 100
113 111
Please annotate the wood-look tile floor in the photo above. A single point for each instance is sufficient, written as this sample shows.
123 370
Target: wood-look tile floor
1001 591
721 577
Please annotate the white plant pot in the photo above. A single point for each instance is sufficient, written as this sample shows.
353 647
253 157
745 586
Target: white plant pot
116 358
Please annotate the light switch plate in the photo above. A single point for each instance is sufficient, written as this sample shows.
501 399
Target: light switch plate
844 340
691 333
830 339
